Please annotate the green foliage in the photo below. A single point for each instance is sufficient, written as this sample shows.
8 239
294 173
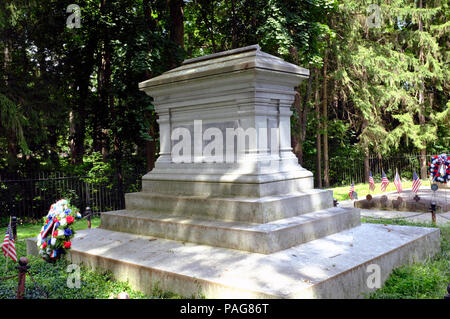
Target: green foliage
68 91
51 281
12 121
94 168
387 68
277 26
51 278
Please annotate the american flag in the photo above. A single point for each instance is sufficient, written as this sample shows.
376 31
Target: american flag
8 247
416 183
352 189
371 182
398 182
384 182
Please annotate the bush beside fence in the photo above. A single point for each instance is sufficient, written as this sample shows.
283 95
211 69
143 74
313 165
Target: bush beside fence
32 196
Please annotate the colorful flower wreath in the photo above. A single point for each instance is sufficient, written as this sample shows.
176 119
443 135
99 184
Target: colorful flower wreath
440 168
55 236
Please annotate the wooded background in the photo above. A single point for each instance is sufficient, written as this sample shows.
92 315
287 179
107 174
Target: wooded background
69 98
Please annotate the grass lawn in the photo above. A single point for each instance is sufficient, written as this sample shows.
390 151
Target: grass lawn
52 278
341 193
422 280
32 229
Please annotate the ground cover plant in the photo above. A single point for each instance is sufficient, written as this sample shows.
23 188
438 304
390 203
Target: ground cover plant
50 279
421 280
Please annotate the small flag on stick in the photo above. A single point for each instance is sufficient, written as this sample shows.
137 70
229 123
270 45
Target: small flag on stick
384 182
371 182
416 183
398 182
351 191
8 247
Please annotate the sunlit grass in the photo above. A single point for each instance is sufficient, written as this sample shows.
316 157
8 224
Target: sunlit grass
33 229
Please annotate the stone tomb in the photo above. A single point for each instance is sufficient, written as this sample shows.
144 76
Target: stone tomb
390 201
239 221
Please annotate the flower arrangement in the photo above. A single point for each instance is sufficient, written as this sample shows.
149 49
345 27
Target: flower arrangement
57 232
439 168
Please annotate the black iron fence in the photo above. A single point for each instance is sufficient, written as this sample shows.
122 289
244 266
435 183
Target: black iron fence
32 196
344 170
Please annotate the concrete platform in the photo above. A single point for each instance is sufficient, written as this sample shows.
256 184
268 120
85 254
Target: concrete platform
259 238
390 201
334 266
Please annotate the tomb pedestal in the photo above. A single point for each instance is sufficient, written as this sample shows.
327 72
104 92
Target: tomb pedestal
240 221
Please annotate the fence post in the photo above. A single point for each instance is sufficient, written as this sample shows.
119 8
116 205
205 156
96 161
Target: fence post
88 194
23 269
14 227
433 212
88 214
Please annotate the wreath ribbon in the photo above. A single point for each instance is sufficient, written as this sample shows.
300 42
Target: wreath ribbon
440 168
50 224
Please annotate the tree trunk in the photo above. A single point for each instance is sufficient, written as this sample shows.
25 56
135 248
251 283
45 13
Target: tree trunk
103 86
234 42
105 143
300 138
118 152
366 165
76 133
96 134
12 151
151 23
326 177
211 29
423 164
207 8
422 120
77 116
150 146
306 109
150 149
176 22
6 62
12 141
319 127
366 153
296 135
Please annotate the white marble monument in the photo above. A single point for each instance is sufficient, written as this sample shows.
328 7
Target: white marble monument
238 196
227 211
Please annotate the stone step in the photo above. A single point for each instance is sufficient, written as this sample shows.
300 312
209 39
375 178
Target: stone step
245 209
336 266
259 238
192 184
